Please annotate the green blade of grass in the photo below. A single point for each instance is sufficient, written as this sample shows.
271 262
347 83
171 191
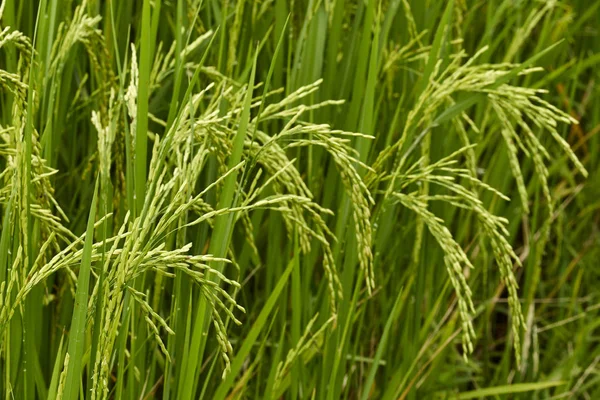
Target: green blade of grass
508 389
252 335
218 245
60 355
141 133
381 347
76 347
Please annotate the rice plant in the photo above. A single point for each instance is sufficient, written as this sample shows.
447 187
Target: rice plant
299 199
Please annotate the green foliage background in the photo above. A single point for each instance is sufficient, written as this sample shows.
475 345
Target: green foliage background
327 199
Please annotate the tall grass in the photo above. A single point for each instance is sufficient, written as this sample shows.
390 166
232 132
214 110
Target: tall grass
299 199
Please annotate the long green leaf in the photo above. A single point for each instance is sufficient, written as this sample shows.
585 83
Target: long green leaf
218 244
78 322
252 335
381 347
508 389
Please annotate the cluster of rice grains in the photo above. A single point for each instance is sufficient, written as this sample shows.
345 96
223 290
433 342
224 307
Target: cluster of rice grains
132 246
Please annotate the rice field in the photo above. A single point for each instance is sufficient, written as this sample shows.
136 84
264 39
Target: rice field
301 199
